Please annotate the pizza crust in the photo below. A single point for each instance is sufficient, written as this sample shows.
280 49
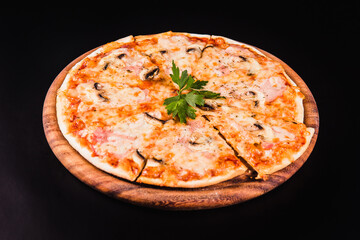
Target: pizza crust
230 41
193 183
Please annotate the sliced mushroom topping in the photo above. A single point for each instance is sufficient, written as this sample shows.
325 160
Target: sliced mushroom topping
121 56
194 143
258 126
106 65
98 86
152 73
148 74
210 105
250 93
254 127
243 58
157 119
193 49
207 119
158 160
202 51
207 107
250 72
103 97
208 46
199 141
252 96
140 155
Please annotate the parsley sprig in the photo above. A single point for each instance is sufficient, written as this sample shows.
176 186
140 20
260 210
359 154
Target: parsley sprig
183 105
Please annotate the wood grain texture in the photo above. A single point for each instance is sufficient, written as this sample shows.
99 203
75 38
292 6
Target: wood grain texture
233 191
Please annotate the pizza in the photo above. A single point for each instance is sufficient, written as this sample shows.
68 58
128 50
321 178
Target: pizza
182 110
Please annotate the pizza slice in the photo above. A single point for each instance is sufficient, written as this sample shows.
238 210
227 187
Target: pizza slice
119 62
164 48
115 81
189 155
249 80
267 144
113 148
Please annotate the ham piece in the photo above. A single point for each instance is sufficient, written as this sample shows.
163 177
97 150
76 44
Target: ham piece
272 88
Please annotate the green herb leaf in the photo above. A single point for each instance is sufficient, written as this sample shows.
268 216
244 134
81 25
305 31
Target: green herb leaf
182 105
183 79
176 73
190 83
199 84
209 94
193 99
171 99
190 112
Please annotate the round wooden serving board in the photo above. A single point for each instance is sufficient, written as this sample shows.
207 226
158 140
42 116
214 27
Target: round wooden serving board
233 191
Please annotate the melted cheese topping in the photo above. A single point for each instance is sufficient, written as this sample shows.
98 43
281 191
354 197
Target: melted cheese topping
249 80
194 147
165 48
266 143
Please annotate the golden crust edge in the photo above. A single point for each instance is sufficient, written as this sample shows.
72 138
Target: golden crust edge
193 183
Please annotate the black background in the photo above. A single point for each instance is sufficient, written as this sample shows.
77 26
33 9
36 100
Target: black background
40 199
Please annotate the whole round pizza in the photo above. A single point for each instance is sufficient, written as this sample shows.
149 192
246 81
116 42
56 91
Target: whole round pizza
182 110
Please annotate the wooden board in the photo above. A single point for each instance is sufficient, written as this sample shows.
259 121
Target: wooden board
233 191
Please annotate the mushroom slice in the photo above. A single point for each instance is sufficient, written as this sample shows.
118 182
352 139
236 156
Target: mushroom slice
121 56
149 73
104 98
210 104
98 86
193 49
155 118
